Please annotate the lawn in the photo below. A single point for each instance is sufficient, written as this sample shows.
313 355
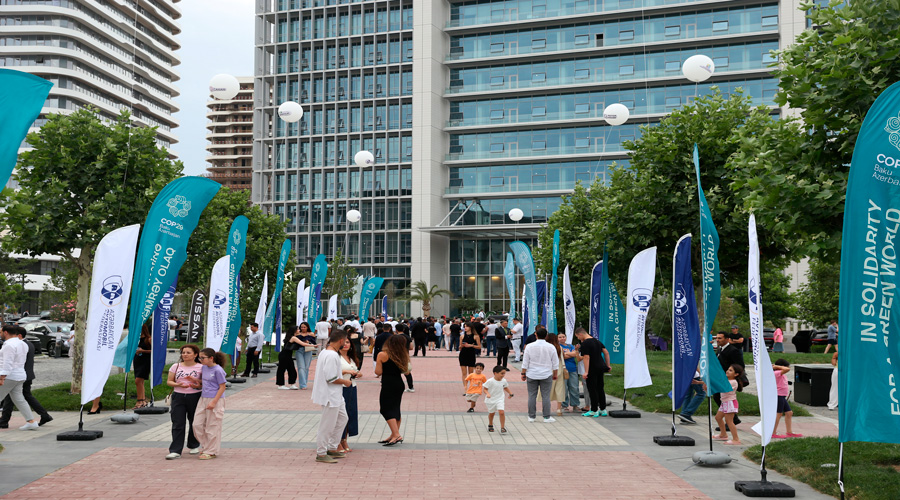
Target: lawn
871 470
654 398
58 398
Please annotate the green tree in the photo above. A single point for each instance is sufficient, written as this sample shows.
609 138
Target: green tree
777 301
265 235
654 201
12 282
794 175
83 179
818 298
419 291
341 277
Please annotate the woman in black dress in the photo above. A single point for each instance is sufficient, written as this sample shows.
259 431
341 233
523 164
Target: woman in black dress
389 364
286 362
469 348
141 363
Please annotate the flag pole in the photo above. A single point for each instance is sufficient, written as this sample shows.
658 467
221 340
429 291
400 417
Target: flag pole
841 471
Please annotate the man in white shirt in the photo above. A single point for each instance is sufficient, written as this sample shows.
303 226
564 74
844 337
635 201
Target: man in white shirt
173 325
541 363
323 328
517 338
328 392
13 375
355 324
254 348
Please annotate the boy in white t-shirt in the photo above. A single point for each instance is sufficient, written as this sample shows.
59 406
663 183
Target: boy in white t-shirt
494 397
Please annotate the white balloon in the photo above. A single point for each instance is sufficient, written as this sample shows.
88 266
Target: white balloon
364 159
698 68
616 114
224 86
516 214
354 215
290 111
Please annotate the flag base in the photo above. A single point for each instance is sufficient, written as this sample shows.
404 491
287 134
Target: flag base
669 440
79 435
711 458
227 384
764 489
269 365
125 418
265 370
625 414
236 380
152 410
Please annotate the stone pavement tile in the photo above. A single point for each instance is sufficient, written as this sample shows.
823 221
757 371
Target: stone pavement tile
382 473
416 429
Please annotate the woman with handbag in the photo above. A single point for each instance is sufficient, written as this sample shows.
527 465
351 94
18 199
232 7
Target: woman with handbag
350 363
286 362
306 339
184 398
558 389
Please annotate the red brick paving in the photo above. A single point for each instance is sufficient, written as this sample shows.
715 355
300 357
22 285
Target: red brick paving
123 473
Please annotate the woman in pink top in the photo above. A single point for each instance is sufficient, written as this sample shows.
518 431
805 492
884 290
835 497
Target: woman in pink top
729 407
778 340
782 368
184 400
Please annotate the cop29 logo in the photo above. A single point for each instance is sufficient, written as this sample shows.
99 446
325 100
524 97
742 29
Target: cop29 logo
112 291
641 299
893 129
179 206
236 237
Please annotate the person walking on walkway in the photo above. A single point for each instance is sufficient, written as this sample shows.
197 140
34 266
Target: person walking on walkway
323 328
541 362
558 389
254 349
389 364
455 332
568 354
286 362
327 392
211 407
185 397
350 363
468 352
596 364
303 356
503 341
12 372
695 396
832 336
517 338
35 405
141 364
490 341
419 333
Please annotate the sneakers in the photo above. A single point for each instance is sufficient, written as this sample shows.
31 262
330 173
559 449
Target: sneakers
295 387
603 413
195 451
334 454
29 426
173 456
549 420
409 390
4 426
283 388
470 410
45 420
687 419
325 459
531 419
589 414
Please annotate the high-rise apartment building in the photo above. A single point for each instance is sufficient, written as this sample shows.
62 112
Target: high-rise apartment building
230 136
473 108
108 54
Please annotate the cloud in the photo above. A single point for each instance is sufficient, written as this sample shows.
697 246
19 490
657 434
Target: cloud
216 37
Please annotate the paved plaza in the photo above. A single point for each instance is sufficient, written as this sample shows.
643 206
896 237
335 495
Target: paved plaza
269 441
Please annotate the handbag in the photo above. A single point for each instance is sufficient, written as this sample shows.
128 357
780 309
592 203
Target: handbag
309 348
168 400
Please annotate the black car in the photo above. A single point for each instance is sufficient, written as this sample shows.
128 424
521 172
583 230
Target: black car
29 338
769 337
803 339
46 333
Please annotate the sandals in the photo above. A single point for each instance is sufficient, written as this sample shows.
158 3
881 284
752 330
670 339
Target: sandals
490 428
503 430
141 403
206 456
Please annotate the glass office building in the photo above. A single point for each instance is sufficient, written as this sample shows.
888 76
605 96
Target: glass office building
473 108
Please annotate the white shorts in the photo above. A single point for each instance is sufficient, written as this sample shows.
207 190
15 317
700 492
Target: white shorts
493 406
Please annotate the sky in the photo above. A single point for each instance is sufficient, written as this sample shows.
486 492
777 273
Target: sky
216 37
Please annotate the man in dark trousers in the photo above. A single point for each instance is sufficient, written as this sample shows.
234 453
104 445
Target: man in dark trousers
254 348
455 330
503 342
419 336
26 388
595 356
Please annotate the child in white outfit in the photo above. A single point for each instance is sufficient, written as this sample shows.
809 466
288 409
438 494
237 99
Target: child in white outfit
494 398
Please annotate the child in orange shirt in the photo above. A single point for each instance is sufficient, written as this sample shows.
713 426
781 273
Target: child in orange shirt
474 383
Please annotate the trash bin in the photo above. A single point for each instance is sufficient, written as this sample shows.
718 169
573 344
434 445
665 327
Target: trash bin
812 384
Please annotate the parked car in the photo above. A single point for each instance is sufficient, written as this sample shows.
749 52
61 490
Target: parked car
29 338
45 332
819 337
28 319
769 337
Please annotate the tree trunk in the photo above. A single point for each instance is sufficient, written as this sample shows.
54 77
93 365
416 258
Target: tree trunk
426 308
76 351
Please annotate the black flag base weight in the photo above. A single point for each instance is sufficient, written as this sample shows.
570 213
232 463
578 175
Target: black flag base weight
236 380
80 434
625 414
152 410
269 365
673 440
265 370
764 489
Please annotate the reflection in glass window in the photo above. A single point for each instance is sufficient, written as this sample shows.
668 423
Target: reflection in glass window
496 47
496 147
626 70
496 80
720 26
673 30
582 143
582 39
582 108
673 101
581 74
626 35
770 21
539 43
497 114
539 77
539 111
720 62
673 65
539 145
